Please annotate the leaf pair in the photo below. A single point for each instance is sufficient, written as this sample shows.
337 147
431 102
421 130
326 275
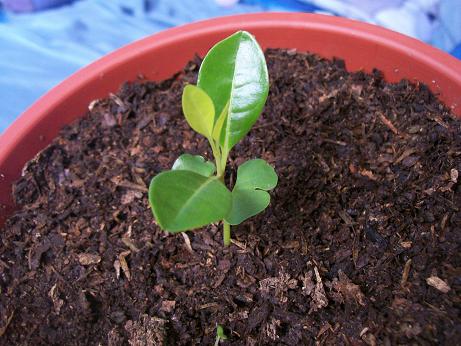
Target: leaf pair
232 89
189 197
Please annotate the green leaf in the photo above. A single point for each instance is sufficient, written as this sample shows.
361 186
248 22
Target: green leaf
247 203
249 196
235 70
194 163
198 109
220 333
256 174
184 200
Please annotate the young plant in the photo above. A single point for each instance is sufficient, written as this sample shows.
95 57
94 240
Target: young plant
230 94
220 335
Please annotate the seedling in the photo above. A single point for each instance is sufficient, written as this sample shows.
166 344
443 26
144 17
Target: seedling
230 94
220 336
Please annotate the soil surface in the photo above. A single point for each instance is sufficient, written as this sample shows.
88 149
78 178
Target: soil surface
360 245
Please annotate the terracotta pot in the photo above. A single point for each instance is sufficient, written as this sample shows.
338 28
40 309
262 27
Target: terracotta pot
362 46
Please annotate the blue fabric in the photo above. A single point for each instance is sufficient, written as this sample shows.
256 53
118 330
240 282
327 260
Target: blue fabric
40 49
32 5
457 51
437 22
284 5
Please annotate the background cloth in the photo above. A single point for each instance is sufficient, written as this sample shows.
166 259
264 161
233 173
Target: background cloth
44 41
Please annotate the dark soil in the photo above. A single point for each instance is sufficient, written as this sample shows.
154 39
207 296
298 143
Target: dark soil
361 243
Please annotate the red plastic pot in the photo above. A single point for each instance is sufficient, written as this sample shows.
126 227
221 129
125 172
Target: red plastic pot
362 46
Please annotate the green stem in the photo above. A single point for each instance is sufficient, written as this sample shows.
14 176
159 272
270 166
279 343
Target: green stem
221 160
226 226
217 156
226 233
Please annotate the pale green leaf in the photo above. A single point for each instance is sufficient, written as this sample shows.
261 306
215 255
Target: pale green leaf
220 332
198 109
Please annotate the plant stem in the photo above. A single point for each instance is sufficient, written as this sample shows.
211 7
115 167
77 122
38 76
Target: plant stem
221 160
217 157
226 233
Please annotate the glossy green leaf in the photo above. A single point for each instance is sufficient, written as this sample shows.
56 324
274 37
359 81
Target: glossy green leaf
249 196
235 70
184 200
198 109
194 163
